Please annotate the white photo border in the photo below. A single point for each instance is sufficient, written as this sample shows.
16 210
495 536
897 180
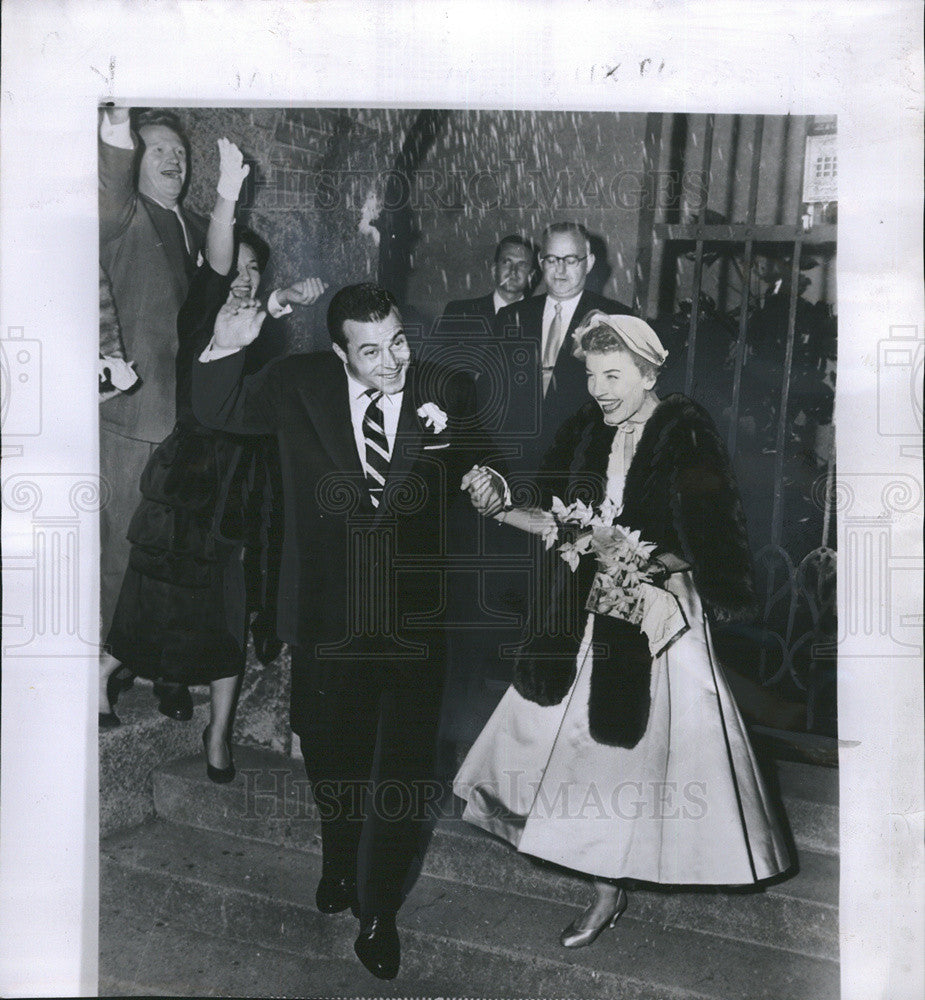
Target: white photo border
861 61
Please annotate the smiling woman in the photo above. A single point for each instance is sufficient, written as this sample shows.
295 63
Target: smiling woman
600 701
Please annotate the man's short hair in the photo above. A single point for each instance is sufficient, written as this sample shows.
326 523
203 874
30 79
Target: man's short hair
559 228
157 116
244 234
364 303
514 241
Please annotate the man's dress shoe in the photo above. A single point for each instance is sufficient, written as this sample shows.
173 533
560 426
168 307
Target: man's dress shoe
175 701
335 894
377 946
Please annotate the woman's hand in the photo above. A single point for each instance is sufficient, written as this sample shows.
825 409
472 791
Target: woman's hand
231 169
486 490
303 293
238 323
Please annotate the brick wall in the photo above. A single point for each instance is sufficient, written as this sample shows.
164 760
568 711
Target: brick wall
320 176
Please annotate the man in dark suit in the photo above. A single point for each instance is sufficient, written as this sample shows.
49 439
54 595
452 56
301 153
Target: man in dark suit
374 448
550 384
149 245
511 271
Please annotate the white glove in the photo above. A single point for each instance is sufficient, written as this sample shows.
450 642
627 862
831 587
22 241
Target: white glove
231 170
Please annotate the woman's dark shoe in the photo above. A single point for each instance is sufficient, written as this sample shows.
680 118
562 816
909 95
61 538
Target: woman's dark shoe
335 894
377 946
121 679
175 701
579 933
220 775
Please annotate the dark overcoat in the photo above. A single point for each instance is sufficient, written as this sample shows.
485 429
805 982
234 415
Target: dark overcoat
361 588
680 494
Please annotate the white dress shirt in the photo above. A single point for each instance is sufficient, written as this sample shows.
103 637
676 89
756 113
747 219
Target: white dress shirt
500 303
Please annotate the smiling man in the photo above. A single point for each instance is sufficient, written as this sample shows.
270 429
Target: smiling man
374 447
149 245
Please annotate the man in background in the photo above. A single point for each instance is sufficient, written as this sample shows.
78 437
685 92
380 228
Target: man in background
512 272
149 245
555 384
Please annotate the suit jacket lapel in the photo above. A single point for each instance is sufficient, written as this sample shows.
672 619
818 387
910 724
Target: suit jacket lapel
328 402
167 227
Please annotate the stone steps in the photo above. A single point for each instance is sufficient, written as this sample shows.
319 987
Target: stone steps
130 754
252 901
270 802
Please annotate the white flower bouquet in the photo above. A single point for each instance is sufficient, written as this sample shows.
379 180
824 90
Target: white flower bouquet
626 584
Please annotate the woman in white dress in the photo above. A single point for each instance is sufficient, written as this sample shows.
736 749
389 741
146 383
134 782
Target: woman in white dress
618 753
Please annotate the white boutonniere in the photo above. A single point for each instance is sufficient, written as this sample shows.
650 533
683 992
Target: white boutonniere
434 418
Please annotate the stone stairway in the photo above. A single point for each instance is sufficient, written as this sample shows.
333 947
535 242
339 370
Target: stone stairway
214 896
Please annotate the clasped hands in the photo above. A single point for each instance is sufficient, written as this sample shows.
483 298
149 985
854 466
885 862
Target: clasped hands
486 489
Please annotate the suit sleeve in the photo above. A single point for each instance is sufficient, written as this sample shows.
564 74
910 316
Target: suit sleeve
225 400
117 195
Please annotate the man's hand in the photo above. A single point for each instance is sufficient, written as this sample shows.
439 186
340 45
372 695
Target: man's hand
238 324
486 490
302 293
117 116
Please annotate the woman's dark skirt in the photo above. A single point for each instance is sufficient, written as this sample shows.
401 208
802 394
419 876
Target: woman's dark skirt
181 613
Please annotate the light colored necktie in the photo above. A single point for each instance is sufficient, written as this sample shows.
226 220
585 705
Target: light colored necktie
553 340
377 447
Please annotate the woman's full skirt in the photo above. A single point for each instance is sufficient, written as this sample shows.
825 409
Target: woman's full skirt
685 806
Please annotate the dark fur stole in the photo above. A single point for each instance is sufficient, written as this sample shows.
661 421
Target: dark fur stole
680 493
618 708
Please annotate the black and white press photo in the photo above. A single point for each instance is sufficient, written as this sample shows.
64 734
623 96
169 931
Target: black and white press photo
462 498
469 549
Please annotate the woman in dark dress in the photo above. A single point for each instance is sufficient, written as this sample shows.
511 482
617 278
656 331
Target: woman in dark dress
182 612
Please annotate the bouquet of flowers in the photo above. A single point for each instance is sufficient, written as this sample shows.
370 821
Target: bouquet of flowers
626 585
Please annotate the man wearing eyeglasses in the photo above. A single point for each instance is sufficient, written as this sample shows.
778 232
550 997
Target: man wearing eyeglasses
556 385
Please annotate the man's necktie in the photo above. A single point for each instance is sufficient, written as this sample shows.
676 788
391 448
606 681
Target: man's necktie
377 446
551 352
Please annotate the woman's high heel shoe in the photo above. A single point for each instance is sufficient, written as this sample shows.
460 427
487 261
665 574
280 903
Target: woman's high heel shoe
220 775
119 680
578 936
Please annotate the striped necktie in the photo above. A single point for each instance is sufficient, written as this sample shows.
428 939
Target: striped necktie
377 446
